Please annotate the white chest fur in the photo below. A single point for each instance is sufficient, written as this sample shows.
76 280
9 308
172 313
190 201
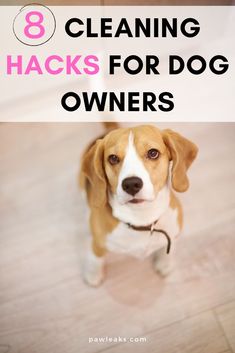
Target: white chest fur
141 214
141 244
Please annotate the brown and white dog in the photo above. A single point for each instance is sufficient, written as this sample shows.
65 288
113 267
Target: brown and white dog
128 176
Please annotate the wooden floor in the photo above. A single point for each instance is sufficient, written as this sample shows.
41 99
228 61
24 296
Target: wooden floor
44 305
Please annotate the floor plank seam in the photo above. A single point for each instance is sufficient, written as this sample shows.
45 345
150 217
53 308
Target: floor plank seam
222 329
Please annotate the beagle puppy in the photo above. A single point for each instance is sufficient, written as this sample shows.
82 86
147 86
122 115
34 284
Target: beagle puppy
128 176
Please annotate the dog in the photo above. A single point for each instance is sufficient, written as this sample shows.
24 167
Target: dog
129 176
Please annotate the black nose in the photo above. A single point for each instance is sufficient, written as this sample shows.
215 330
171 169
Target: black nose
132 185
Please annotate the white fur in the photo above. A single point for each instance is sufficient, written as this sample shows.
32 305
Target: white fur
141 244
133 166
142 213
93 271
162 262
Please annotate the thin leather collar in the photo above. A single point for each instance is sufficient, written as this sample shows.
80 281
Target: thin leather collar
151 228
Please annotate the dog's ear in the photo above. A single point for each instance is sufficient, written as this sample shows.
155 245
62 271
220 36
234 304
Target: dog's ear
93 169
182 153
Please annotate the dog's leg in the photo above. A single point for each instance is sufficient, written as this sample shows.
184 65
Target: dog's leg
93 271
171 222
163 262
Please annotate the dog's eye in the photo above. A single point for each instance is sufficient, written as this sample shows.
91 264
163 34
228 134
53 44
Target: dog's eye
113 159
153 153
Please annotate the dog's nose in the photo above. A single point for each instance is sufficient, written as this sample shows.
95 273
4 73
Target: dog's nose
132 185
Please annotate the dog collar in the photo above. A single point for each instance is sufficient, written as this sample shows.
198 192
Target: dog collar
152 229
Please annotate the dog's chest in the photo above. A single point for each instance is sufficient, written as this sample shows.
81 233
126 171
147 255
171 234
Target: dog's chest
141 244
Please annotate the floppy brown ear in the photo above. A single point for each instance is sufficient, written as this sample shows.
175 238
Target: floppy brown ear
92 169
182 154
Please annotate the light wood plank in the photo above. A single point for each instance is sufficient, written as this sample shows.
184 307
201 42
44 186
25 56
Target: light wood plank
167 2
200 334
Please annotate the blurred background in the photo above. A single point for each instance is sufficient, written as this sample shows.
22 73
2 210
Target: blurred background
121 2
44 304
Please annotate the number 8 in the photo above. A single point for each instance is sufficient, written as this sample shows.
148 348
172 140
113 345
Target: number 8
37 24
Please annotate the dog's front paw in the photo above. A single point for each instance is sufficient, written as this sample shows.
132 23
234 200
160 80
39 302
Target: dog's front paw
93 277
93 271
164 269
162 264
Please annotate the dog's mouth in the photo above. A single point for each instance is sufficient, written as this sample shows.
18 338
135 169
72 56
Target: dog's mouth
136 201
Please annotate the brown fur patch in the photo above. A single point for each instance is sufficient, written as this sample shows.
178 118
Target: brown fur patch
175 204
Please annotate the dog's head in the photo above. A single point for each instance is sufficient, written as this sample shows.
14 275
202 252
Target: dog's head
133 164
